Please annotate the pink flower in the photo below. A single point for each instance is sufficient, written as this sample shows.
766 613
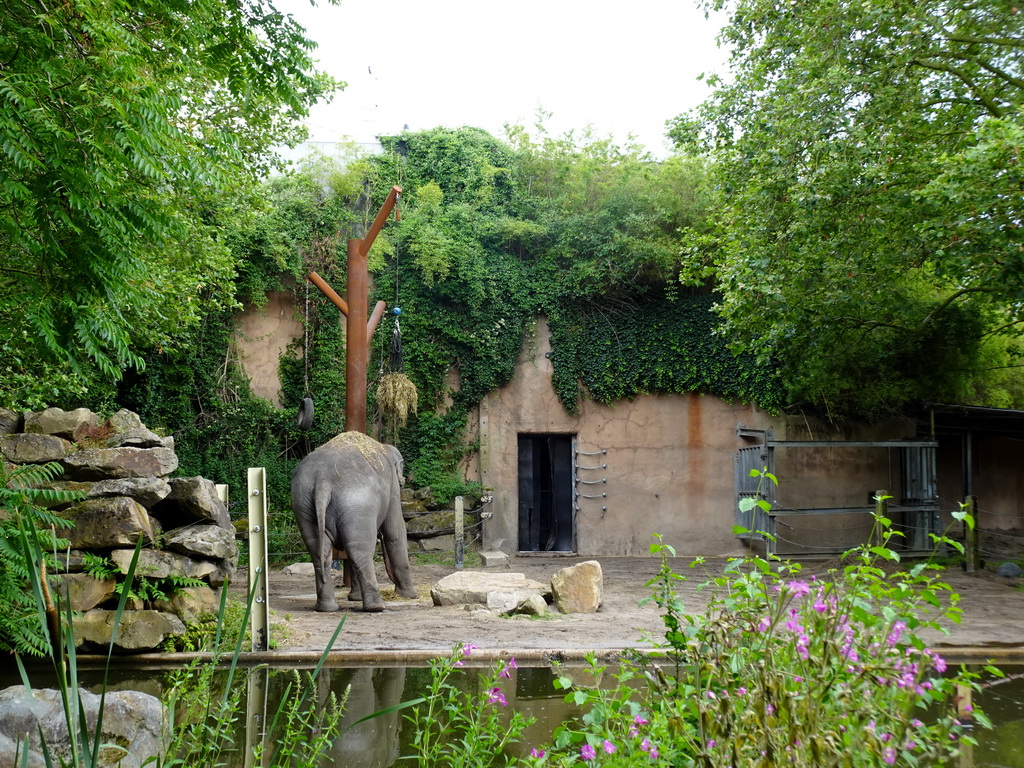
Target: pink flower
763 624
711 743
799 588
939 663
496 696
468 649
889 756
587 752
608 747
819 606
536 752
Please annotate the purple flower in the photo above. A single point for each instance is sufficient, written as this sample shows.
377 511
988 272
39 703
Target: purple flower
711 743
587 752
889 756
763 624
897 633
939 663
645 745
536 752
819 606
468 649
496 696
799 588
640 720
608 747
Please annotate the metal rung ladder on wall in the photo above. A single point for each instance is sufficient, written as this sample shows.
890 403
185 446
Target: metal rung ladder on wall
595 462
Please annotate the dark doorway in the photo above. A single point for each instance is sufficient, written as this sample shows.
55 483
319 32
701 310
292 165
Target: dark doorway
546 486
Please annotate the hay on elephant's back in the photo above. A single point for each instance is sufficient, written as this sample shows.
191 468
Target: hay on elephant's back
372 451
396 397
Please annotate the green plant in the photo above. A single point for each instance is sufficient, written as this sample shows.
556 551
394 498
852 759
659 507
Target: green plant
458 728
23 522
822 671
203 703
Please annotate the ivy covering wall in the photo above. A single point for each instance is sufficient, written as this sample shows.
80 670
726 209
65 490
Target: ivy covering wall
493 234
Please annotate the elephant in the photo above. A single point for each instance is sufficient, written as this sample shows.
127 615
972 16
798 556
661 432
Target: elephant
343 493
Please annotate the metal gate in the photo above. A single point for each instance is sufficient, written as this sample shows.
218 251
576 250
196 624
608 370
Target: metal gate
917 492
757 522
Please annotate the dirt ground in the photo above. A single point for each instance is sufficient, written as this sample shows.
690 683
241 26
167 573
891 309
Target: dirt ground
993 613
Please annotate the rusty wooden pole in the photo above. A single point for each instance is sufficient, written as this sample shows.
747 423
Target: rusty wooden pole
359 327
355 339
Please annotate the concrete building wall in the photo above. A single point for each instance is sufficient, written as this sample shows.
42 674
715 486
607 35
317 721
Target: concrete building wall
671 459
262 334
670 462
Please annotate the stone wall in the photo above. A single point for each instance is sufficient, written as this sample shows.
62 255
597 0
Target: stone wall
122 470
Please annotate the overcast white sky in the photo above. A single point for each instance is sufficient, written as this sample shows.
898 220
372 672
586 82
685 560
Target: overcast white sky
623 67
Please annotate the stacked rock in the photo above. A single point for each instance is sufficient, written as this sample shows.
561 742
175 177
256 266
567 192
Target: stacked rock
122 469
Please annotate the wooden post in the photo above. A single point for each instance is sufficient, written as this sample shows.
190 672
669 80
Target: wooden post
355 339
259 616
972 555
460 537
358 326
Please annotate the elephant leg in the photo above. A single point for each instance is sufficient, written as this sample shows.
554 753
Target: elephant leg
364 574
325 599
320 552
355 593
396 544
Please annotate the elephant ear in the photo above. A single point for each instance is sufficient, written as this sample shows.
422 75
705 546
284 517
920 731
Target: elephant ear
397 461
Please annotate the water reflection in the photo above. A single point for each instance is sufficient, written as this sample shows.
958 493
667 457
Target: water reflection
380 742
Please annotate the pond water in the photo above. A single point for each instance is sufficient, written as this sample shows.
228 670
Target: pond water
379 742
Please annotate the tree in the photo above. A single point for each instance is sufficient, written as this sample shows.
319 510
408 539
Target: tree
867 158
123 127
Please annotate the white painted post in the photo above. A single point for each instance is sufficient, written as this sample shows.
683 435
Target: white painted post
256 721
259 618
460 538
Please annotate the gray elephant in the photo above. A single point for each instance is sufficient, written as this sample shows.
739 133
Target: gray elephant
343 493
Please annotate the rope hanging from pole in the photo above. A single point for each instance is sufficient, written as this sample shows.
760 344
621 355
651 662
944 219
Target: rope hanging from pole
396 394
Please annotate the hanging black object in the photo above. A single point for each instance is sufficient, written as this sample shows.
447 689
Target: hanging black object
395 362
304 419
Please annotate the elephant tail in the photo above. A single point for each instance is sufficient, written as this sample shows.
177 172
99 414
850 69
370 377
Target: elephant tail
387 559
321 500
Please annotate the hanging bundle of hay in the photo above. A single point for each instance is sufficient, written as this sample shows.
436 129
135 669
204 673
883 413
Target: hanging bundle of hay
396 398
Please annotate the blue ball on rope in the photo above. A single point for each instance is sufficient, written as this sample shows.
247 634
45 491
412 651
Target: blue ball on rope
396 311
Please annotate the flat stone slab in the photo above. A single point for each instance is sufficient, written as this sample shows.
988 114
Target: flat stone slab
494 590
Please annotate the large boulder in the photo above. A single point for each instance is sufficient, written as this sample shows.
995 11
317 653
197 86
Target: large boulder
156 564
85 592
54 421
145 490
106 523
137 631
209 541
501 592
191 604
128 429
10 421
192 500
105 463
578 588
33 449
131 734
